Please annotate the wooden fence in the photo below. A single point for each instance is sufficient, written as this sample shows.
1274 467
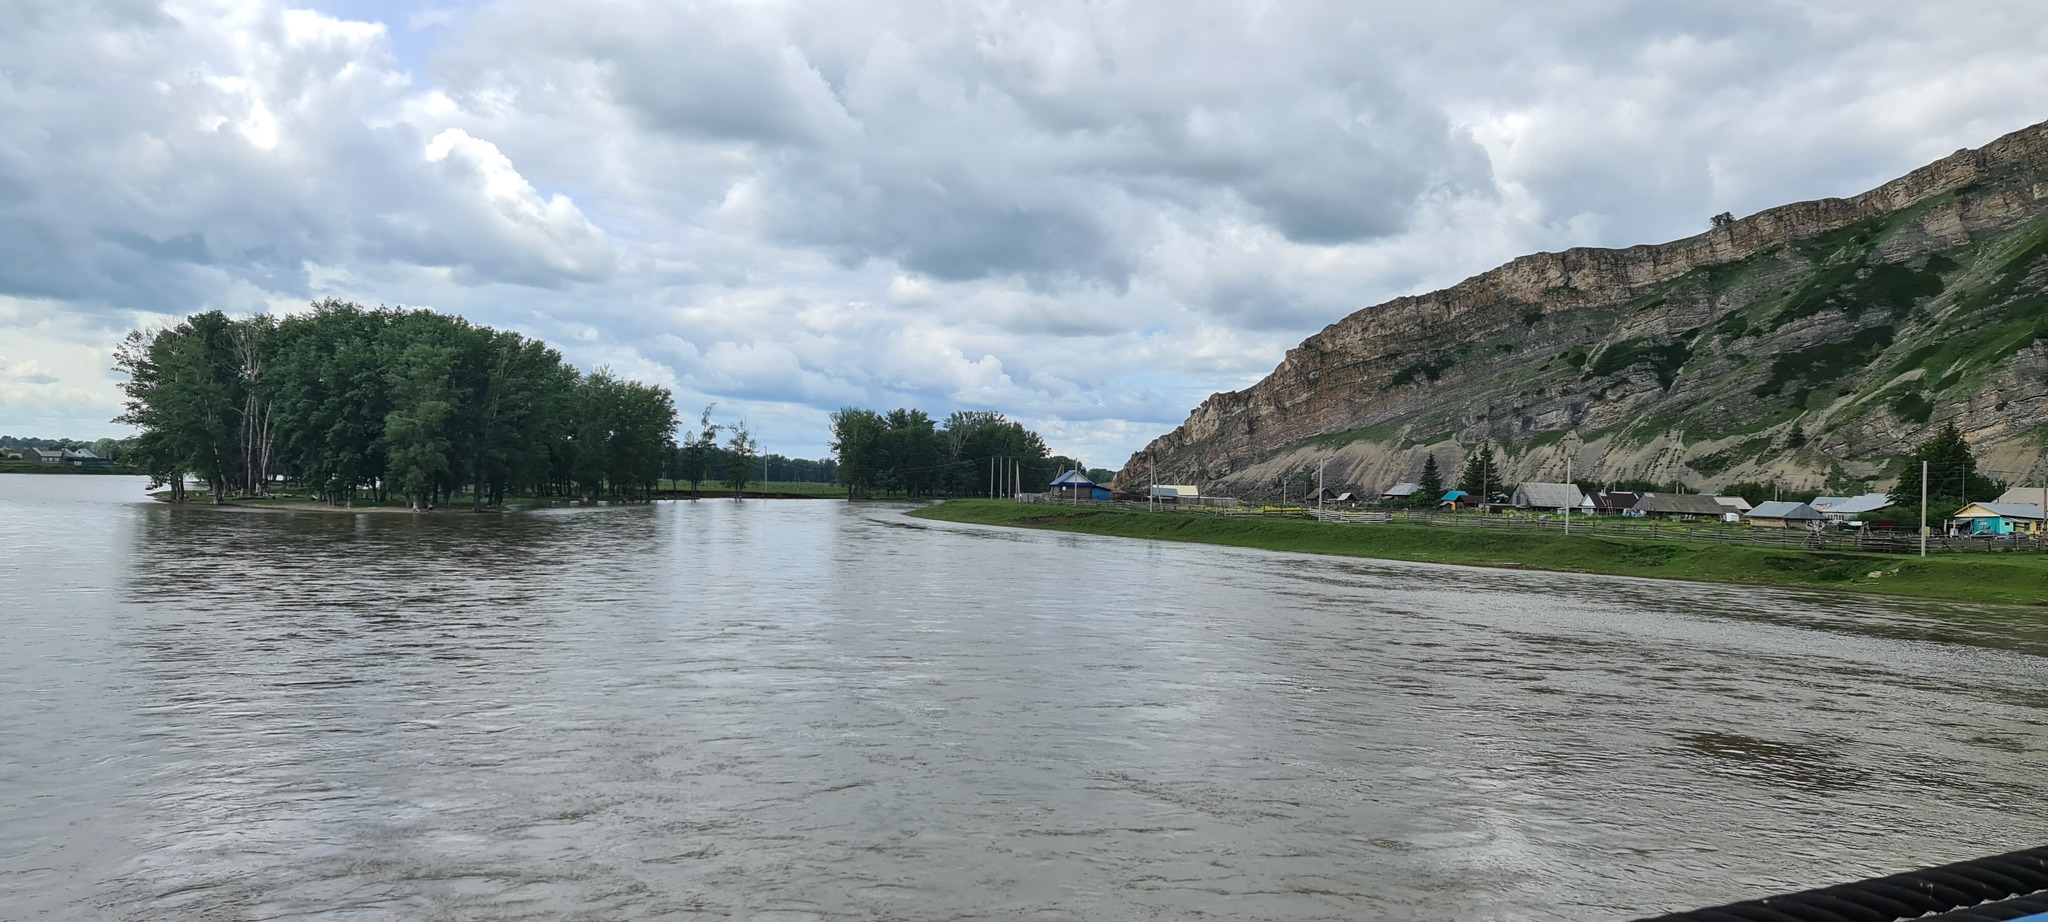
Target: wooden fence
1864 540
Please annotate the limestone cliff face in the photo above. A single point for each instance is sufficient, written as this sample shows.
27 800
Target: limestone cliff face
1790 344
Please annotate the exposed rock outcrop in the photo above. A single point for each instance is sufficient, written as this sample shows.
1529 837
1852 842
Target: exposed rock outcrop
1815 339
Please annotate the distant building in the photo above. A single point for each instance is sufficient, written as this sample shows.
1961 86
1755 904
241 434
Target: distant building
1402 491
2022 495
1677 506
1844 508
50 456
1998 519
1609 502
1456 498
1547 497
1074 485
1784 514
1735 504
1173 492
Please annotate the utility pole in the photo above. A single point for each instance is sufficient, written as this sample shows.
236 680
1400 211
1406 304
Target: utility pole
1152 489
1319 487
1923 508
1568 482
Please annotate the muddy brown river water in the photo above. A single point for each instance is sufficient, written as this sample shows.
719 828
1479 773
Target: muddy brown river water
818 710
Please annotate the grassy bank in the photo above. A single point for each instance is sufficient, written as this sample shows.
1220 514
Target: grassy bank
2012 578
31 467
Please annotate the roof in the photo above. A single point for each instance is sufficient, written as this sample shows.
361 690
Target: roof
1613 499
2021 495
1072 479
1851 505
1548 495
1999 510
1346 497
1403 489
1169 489
1454 496
1736 503
1679 504
1786 509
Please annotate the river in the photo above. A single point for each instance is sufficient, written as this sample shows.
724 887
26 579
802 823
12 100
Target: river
792 710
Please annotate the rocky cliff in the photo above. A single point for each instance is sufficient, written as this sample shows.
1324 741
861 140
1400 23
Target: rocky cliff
1808 343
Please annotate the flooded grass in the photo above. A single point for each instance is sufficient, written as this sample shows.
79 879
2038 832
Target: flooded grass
2015 578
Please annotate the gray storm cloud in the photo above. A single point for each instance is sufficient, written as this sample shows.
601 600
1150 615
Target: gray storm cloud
1086 214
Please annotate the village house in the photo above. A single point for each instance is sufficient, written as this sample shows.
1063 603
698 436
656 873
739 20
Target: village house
1401 492
2035 495
1609 502
1677 506
50 456
1735 504
1547 497
1844 508
1784 514
1074 486
1998 519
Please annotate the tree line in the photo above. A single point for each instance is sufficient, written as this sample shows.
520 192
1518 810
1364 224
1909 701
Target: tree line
355 402
907 452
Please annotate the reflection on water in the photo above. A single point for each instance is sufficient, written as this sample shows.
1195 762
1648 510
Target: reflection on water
799 710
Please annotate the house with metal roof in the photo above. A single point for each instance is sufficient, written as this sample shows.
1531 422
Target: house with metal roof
1402 491
1998 519
1784 514
1609 502
2034 495
1547 497
1677 506
1174 491
1076 485
1735 504
1844 508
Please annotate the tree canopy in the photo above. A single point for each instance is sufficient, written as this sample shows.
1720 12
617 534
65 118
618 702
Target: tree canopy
974 453
1482 473
1952 479
406 403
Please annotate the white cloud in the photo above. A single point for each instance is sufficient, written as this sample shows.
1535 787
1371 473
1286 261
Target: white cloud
1087 214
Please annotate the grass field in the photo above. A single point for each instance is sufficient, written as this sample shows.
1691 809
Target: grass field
30 467
2008 578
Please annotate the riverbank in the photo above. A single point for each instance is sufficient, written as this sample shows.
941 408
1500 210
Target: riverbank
27 467
2004 578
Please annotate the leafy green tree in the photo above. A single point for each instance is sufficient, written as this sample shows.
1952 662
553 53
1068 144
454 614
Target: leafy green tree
343 399
857 440
415 433
699 448
1432 481
741 454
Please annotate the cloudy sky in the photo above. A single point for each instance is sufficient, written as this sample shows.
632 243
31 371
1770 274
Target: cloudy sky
1088 214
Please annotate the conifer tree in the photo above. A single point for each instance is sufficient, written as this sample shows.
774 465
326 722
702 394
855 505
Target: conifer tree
1432 480
1481 475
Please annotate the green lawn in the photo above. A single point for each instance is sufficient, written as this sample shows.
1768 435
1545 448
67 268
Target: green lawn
2009 578
30 467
